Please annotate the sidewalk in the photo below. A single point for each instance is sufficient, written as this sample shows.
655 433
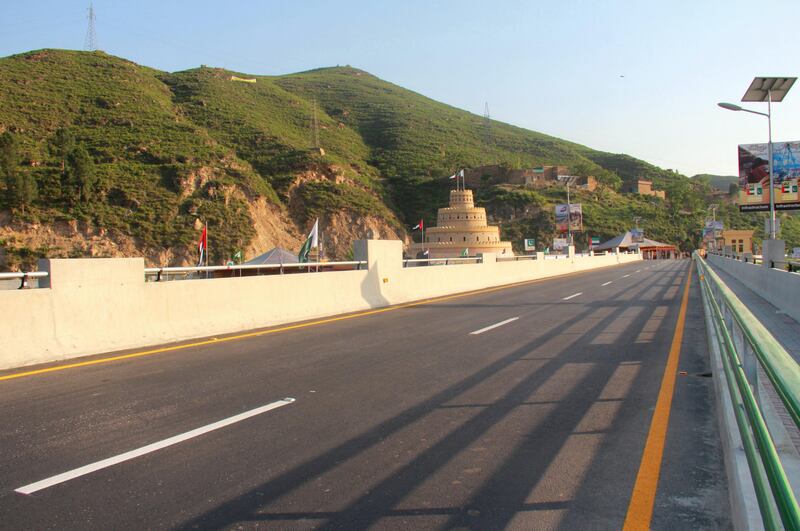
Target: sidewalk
785 330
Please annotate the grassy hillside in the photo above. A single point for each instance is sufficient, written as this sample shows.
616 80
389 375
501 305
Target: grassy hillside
141 146
171 148
721 183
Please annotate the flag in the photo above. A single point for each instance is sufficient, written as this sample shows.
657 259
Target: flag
237 256
465 252
426 253
202 245
461 174
310 243
420 225
454 176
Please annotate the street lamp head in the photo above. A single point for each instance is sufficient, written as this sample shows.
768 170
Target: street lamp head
730 106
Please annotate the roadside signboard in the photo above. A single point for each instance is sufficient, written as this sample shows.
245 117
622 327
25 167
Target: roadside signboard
574 217
796 252
530 244
559 244
594 241
754 189
712 230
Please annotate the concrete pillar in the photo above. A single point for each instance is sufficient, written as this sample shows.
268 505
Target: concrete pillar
385 263
539 255
488 258
571 252
774 253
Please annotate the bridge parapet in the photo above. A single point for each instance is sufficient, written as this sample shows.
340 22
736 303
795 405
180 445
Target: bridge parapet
93 306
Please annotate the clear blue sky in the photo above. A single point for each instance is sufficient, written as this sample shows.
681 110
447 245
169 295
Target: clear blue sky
551 66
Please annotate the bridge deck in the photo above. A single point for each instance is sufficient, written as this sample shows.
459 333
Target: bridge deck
527 407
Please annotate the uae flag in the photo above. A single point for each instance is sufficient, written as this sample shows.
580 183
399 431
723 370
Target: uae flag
202 245
419 226
311 242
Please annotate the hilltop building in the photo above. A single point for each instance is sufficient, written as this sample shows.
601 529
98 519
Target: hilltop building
459 227
531 177
642 187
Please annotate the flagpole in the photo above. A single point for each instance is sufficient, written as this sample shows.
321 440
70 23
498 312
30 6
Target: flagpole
206 244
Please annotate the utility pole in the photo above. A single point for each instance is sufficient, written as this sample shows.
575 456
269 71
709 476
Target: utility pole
569 217
713 208
91 36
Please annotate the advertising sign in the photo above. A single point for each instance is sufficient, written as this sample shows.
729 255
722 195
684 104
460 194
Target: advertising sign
712 230
574 217
530 244
796 252
754 176
637 236
559 244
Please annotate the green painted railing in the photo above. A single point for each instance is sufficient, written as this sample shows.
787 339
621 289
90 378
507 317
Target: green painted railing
743 340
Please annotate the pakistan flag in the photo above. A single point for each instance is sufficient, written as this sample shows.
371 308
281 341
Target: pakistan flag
311 242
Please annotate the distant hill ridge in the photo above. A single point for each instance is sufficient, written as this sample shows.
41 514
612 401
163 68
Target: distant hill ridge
171 148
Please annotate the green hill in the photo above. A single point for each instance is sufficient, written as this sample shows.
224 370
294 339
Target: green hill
721 183
168 149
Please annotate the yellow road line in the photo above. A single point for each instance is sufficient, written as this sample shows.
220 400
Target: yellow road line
640 509
274 330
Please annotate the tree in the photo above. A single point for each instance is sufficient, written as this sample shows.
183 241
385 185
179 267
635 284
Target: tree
21 190
61 145
9 154
733 189
80 176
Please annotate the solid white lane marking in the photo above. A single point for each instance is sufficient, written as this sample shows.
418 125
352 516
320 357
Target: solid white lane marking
105 463
625 276
607 283
572 296
501 323
638 270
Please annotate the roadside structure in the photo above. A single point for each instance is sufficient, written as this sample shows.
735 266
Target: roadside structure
738 240
461 230
650 249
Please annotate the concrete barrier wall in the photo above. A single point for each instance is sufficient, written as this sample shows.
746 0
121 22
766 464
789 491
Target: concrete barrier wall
100 305
780 288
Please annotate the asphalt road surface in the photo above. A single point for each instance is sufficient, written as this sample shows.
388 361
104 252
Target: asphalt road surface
527 407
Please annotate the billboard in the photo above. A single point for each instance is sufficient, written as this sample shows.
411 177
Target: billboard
712 230
754 176
637 236
574 215
559 244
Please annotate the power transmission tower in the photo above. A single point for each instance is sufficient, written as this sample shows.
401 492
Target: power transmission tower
91 36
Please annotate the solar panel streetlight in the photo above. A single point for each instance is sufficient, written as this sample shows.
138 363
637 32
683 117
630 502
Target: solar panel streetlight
766 89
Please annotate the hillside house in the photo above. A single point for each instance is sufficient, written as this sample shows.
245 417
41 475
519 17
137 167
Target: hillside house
642 187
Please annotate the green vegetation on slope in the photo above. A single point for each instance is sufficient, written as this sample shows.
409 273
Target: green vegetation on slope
166 149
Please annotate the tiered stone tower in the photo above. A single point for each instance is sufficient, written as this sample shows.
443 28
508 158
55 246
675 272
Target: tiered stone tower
461 226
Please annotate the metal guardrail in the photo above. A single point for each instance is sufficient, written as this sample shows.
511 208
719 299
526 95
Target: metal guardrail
746 343
443 261
23 277
165 272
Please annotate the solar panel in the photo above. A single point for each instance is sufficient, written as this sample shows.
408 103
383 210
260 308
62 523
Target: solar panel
761 87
